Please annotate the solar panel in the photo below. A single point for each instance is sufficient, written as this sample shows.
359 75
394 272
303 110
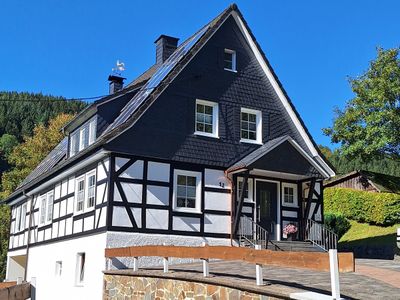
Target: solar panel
155 80
49 162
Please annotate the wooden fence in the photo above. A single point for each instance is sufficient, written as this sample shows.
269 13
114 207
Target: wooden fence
308 260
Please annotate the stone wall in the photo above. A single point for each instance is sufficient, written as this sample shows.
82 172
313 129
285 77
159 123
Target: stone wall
134 287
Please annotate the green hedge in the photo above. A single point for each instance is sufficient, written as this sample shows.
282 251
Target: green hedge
337 223
367 207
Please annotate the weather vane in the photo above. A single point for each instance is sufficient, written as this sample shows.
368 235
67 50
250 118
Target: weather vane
119 68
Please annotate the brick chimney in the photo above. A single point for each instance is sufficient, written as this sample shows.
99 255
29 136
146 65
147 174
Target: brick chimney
165 46
116 83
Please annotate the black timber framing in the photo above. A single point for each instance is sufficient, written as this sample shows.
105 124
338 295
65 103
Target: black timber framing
239 204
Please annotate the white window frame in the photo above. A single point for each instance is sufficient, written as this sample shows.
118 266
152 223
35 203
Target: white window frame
82 133
77 180
79 269
48 198
197 208
22 224
295 194
92 131
258 114
88 175
42 209
85 177
58 268
249 189
215 120
17 218
233 52
73 141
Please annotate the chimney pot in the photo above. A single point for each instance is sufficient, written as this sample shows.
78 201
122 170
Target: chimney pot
165 46
116 83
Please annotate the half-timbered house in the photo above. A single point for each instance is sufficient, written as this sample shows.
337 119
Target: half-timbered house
201 147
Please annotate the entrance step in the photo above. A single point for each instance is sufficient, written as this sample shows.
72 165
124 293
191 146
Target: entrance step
294 246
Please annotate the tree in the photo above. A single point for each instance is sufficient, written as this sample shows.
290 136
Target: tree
7 144
26 156
369 126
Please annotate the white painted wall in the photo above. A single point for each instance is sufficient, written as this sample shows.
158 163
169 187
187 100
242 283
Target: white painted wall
42 263
125 239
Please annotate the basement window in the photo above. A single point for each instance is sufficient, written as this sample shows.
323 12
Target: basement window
230 60
80 268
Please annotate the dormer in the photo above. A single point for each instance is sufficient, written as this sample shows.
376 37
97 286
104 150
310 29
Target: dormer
83 136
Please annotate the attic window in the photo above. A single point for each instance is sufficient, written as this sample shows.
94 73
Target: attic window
83 136
250 126
206 118
230 60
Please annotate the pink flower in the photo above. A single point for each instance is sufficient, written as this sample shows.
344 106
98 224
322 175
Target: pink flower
289 229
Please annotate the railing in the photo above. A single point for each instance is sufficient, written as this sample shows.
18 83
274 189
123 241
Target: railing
319 235
252 234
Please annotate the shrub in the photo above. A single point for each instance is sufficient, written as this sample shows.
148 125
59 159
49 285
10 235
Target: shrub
337 223
366 207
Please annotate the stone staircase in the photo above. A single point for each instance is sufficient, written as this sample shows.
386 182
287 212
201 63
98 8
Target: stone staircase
293 246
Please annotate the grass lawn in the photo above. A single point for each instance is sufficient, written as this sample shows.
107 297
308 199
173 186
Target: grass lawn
362 234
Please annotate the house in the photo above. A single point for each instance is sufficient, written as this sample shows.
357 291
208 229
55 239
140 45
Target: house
366 181
204 140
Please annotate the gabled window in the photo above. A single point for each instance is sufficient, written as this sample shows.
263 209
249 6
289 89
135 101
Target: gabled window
206 118
230 60
289 194
187 191
85 194
250 126
83 136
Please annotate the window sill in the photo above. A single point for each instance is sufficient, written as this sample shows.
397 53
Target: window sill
250 142
290 205
230 70
187 210
206 134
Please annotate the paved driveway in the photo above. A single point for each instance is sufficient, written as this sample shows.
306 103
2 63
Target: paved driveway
284 281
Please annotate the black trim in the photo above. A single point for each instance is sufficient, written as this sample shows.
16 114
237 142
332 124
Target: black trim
101 205
125 200
42 228
216 190
144 194
110 197
186 214
83 215
63 217
217 212
64 197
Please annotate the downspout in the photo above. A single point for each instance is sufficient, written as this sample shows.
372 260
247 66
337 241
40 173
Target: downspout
29 235
232 201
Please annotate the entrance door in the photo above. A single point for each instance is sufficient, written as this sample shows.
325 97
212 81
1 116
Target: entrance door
266 201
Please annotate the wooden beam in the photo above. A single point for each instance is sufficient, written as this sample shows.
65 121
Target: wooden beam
309 198
306 260
240 204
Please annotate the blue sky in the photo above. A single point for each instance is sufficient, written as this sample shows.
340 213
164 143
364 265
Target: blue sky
68 48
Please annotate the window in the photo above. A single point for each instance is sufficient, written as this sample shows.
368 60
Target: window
80 268
230 60
250 126
83 137
187 191
91 190
206 118
43 202
50 200
23 217
46 208
18 218
248 193
85 194
80 193
58 271
289 194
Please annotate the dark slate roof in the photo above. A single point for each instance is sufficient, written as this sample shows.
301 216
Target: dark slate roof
49 162
383 182
256 154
